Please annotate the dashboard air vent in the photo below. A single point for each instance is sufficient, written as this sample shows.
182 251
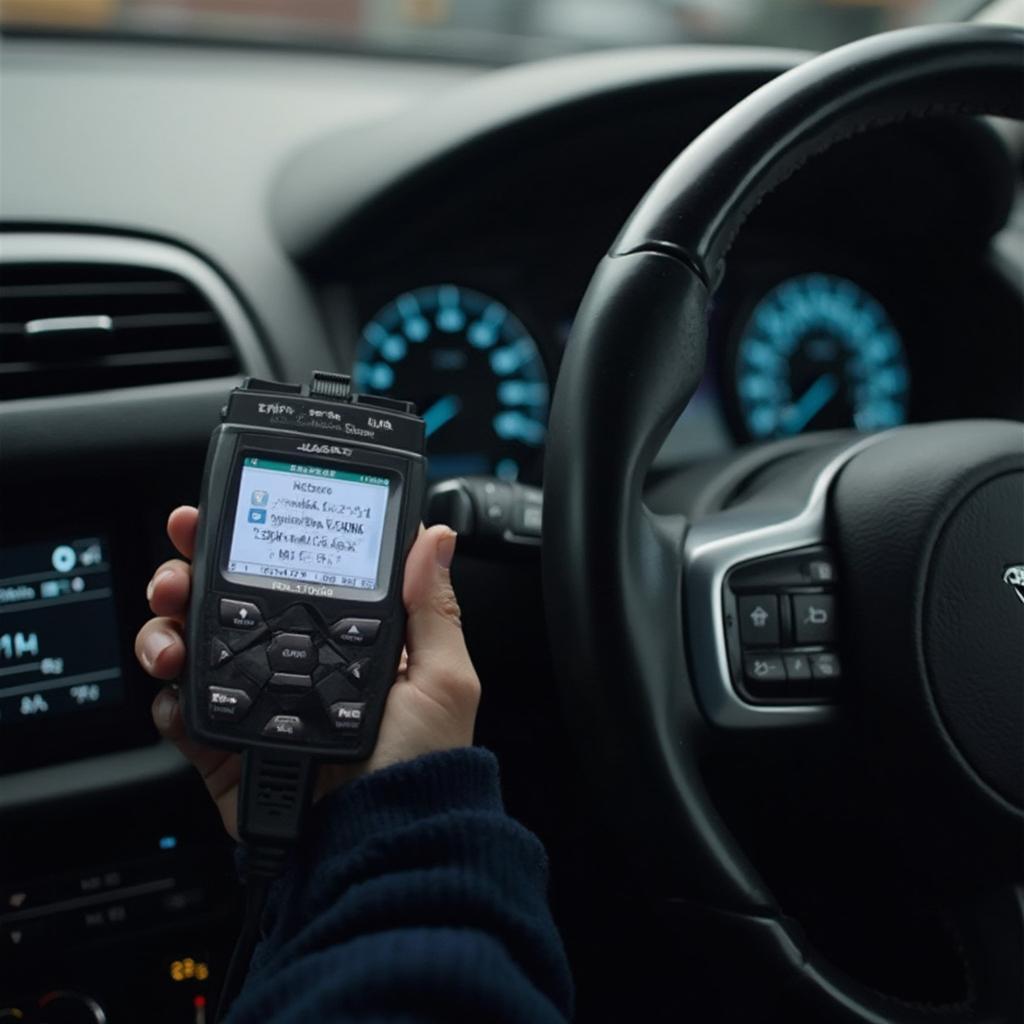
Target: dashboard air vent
72 327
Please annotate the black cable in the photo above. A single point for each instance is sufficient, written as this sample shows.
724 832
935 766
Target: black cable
273 798
245 944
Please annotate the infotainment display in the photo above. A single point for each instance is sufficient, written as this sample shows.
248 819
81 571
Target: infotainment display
59 649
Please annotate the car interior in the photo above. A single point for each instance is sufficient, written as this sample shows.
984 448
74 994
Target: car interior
714 314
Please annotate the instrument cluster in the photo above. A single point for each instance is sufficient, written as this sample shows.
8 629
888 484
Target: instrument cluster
798 342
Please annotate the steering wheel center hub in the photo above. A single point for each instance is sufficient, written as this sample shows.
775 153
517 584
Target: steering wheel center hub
929 521
973 632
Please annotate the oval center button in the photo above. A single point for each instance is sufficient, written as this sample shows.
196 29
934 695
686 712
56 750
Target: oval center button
293 653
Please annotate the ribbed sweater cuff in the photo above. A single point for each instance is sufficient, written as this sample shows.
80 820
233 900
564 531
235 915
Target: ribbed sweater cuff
464 779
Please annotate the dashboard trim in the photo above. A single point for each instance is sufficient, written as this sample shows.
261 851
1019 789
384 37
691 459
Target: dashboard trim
336 180
89 776
715 546
71 247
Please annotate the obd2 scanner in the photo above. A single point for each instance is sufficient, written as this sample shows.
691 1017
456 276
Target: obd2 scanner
311 499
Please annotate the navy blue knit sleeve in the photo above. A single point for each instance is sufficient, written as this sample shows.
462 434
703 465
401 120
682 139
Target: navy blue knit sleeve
415 898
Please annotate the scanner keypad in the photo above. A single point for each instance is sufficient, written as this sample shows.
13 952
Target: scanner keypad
287 676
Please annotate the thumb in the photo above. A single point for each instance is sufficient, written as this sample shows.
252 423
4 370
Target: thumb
434 631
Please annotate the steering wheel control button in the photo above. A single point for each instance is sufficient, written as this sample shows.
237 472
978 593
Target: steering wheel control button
285 727
819 570
219 653
290 682
496 503
529 511
764 668
759 620
804 567
814 618
798 667
355 631
292 652
347 715
825 667
225 702
240 615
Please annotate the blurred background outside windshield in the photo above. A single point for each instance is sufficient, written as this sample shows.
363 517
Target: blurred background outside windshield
491 30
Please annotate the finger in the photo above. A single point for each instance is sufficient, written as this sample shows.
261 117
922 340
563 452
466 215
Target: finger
160 648
169 589
434 633
181 528
218 768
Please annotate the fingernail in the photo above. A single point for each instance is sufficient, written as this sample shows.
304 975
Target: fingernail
151 586
163 709
446 549
154 645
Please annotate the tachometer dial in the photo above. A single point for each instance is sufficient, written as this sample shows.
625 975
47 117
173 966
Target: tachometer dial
818 352
473 370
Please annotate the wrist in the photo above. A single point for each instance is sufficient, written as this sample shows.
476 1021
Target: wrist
381 801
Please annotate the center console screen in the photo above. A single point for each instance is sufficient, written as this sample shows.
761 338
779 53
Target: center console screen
59 650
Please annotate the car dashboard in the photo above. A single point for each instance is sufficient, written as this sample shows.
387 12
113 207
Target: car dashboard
431 230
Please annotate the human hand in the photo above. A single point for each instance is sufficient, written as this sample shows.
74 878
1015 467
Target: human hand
432 705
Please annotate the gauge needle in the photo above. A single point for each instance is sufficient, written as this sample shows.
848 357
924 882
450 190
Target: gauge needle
443 410
798 414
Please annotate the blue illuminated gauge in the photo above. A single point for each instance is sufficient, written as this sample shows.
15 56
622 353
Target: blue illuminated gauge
819 352
472 369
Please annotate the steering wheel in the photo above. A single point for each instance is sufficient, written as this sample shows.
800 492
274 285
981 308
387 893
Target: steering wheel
908 538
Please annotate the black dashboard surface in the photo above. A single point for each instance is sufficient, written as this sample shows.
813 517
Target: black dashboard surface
184 144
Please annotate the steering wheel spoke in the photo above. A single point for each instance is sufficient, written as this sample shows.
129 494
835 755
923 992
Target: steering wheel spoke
761 603
992 924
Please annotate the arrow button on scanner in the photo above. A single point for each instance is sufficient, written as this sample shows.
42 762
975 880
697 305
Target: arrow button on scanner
355 631
240 615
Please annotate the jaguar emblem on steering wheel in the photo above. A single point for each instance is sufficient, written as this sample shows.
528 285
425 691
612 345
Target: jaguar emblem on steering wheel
1014 576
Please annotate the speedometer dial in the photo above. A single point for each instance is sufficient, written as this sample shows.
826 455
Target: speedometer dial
819 352
472 369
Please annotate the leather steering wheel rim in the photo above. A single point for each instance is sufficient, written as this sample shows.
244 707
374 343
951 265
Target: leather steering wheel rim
613 568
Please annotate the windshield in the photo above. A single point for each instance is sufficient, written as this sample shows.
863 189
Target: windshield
487 30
